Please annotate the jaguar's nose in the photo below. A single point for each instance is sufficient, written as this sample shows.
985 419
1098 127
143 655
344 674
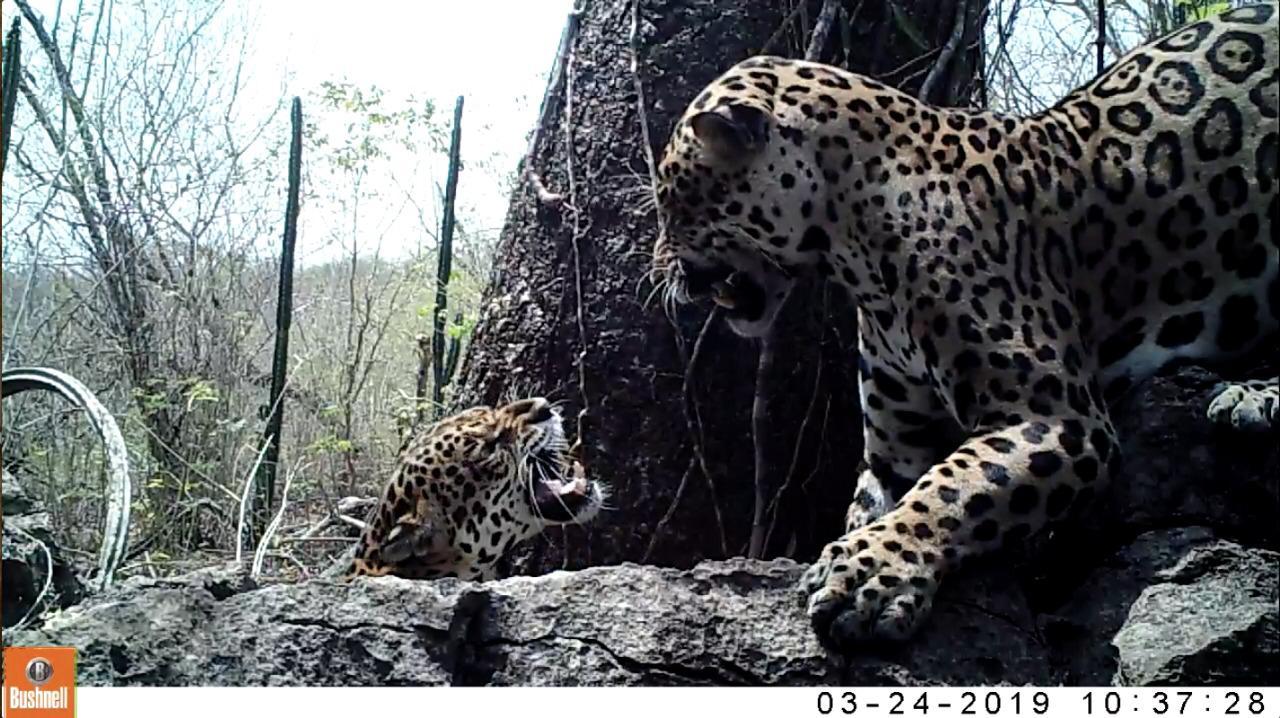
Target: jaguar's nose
540 412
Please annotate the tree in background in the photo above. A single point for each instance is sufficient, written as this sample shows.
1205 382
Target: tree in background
141 225
133 201
142 207
710 452
1038 50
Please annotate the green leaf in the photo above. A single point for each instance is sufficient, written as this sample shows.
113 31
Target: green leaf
201 390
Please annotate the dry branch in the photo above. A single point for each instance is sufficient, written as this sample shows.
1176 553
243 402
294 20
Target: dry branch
693 420
576 242
759 434
767 48
943 63
671 510
821 30
568 36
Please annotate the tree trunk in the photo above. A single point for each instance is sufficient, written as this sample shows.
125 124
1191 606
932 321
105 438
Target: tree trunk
675 444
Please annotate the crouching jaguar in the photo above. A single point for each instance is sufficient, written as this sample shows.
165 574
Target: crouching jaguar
1013 275
469 488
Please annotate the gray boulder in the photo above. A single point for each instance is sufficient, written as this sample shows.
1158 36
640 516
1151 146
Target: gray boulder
1174 606
35 573
1171 579
721 623
1208 620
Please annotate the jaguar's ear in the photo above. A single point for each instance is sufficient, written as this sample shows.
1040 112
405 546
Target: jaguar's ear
412 539
731 132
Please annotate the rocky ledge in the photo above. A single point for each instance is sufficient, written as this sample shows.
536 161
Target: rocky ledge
1174 578
1206 613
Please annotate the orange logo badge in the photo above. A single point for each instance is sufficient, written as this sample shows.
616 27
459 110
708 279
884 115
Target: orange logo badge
39 682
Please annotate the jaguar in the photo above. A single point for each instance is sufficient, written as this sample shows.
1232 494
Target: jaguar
469 488
1012 276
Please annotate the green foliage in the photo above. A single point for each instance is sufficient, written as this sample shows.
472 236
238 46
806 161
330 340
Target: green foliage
330 444
461 330
152 399
371 129
199 390
1185 11
162 394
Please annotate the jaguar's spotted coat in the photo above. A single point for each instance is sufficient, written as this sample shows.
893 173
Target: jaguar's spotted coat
471 487
1012 275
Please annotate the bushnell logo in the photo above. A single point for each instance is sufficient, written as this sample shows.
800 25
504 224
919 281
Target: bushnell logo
39 682
39 671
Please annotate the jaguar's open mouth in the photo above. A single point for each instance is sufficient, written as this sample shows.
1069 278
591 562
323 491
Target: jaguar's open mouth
740 296
558 489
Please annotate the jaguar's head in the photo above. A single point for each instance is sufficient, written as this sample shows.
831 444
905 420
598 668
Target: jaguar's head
472 486
741 199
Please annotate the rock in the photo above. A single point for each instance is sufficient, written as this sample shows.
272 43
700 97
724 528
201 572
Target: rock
1181 469
736 622
35 574
17 502
1209 620
1173 579
1081 631
1175 606
1178 471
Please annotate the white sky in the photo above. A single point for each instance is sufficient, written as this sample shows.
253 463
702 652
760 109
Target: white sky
494 52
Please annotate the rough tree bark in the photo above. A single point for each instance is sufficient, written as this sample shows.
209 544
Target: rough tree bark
674 442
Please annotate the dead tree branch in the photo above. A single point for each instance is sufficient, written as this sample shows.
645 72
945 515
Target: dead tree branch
767 48
671 510
759 434
693 420
822 30
554 80
943 63
576 240
795 454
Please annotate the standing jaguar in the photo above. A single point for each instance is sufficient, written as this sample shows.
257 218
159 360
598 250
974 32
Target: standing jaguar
1013 275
